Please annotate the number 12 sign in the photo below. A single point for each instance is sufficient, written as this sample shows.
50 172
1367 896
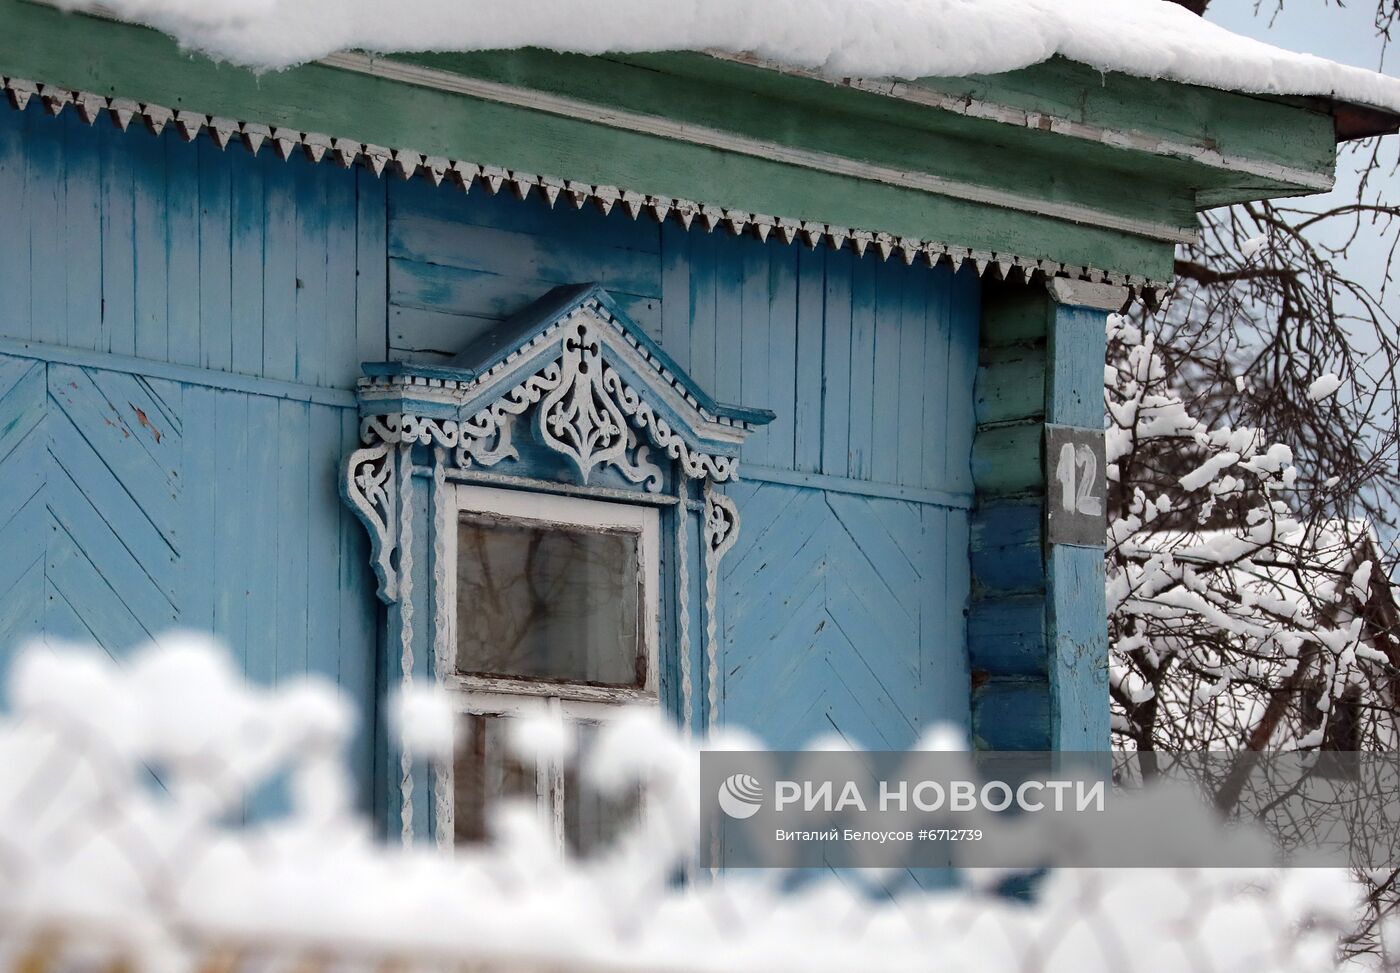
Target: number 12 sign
1075 481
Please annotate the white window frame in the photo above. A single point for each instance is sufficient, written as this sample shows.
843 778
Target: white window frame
478 695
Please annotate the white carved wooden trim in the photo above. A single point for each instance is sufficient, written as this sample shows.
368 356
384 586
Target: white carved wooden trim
721 530
683 616
444 640
583 412
369 488
582 395
485 439
582 407
408 163
405 606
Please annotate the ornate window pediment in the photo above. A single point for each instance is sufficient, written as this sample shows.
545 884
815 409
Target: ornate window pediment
592 385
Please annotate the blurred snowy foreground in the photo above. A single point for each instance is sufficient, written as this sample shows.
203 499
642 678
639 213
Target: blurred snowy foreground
122 788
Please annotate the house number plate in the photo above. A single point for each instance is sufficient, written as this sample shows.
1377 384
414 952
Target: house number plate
1076 509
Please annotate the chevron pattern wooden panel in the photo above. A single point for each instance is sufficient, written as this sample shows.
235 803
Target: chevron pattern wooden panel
89 472
23 520
848 610
131 504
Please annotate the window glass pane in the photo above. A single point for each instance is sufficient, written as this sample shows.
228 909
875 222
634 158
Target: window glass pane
592 820
543 601
485 771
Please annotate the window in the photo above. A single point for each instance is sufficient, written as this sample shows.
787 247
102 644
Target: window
547 602
556 611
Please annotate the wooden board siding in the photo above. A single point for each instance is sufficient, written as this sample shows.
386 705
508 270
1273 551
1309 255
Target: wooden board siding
178 252
857 356
848 584
243 293
178 327
133 505
842 614
460 262
1036 637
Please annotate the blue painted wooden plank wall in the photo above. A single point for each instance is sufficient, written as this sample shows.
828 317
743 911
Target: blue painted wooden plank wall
857 356
1036 635
244 292
177 252
842 605
178 330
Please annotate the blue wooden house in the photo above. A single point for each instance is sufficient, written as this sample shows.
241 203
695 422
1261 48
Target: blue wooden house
748 394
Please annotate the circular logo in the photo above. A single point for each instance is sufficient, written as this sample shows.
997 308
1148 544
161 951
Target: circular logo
740 796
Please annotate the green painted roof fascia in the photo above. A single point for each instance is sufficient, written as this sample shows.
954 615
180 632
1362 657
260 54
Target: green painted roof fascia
1261 128
799 114
1184 136
116 59
121 60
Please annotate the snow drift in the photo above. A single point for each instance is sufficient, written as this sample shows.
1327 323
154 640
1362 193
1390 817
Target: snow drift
873 38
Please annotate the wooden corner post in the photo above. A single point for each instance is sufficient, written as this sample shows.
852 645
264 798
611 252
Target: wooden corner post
1037 623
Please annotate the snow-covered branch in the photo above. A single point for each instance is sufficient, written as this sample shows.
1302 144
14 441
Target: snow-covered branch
1233 623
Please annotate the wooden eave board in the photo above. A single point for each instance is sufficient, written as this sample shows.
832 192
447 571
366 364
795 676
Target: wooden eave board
1182 135
120 60
1263 128
815 117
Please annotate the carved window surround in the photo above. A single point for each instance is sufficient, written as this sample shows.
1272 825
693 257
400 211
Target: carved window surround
574 384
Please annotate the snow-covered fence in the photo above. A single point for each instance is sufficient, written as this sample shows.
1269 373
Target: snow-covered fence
122 847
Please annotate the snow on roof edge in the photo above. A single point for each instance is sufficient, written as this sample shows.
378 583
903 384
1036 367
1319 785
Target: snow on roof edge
847 38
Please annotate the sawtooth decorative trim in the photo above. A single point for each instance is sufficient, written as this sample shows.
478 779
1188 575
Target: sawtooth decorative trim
726 141
438 169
